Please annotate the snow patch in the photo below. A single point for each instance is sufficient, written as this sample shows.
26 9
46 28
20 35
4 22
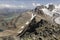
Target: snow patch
32 16
27 22
56 10
20 31
57 20
22 27
47 12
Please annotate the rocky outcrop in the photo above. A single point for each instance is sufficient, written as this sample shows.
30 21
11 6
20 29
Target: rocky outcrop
51 7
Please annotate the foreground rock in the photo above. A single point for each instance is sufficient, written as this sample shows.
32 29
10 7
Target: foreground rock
17 25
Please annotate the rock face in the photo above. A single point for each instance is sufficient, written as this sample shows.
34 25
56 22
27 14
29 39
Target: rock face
45 26
40 24
51 7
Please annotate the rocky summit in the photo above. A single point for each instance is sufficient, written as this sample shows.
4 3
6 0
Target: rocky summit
41 23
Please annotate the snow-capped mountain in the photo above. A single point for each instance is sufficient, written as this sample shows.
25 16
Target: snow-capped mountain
52 11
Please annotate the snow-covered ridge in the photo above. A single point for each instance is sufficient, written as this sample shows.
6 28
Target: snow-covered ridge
55 12
52 11
47 12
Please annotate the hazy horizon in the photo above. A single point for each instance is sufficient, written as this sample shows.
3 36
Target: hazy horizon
26 3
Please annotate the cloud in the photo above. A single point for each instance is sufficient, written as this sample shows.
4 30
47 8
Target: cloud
6 5
33 4
11 6
22 6
36 4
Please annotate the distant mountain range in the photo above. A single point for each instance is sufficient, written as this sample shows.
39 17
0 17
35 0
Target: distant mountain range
10 11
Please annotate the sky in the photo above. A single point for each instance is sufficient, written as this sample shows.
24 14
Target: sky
26 3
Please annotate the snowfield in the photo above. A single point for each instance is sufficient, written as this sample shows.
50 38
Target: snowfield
57 20
54 13
47 12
